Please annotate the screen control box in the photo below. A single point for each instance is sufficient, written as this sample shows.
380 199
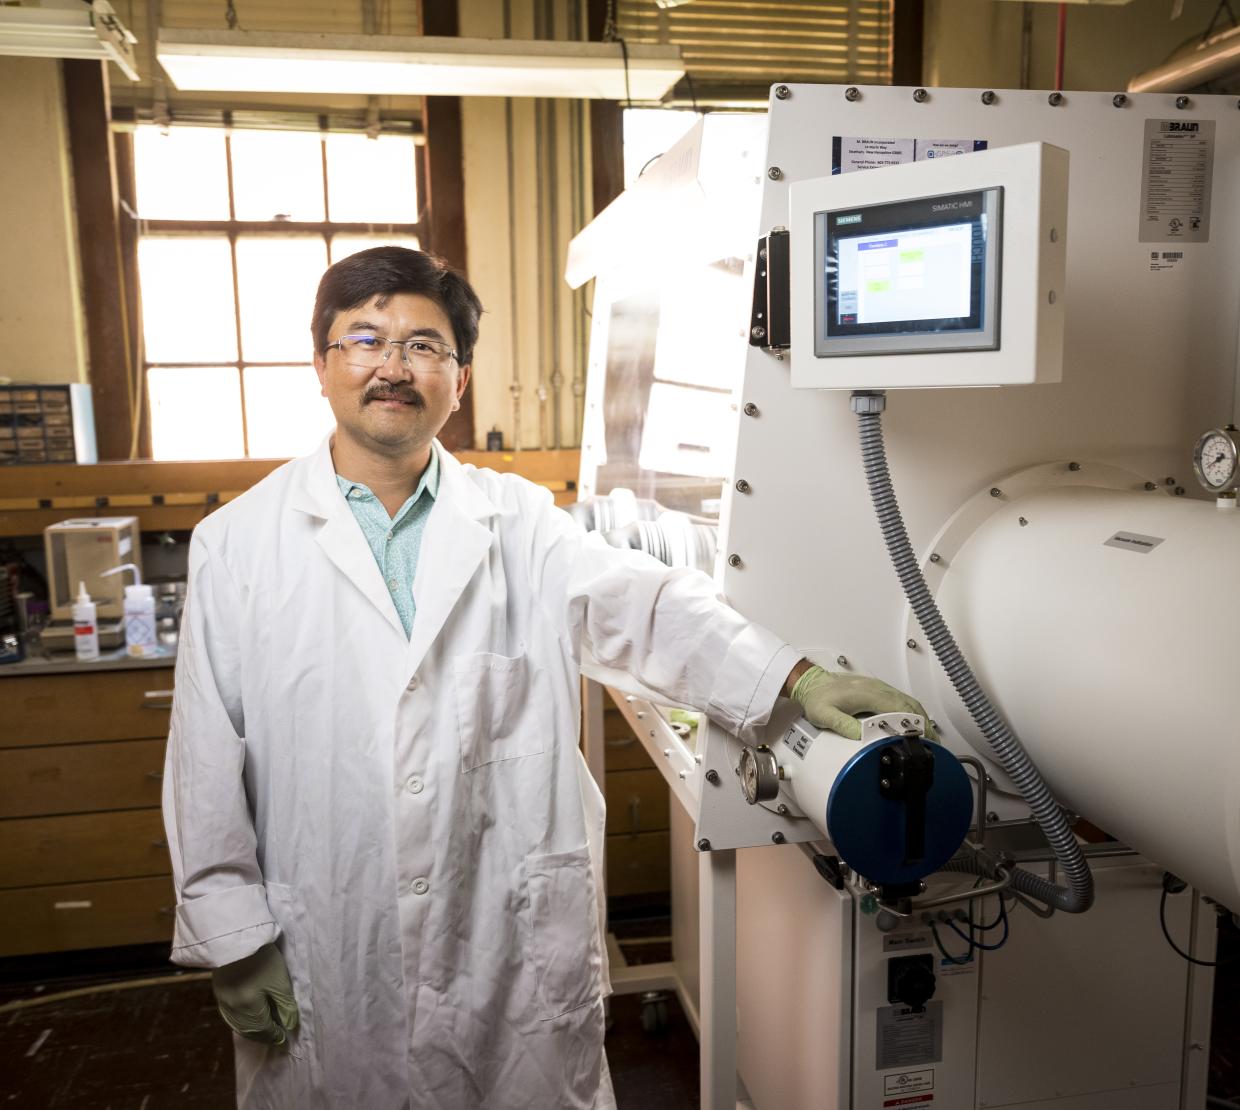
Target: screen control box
947 272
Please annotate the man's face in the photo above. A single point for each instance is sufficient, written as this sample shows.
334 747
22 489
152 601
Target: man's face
395 409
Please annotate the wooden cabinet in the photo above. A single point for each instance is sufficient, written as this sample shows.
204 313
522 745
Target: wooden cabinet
638 847
83 860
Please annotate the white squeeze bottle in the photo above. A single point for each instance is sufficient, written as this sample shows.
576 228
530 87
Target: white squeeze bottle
139 613
85 625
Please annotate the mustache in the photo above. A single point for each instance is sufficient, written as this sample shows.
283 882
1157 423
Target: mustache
394 392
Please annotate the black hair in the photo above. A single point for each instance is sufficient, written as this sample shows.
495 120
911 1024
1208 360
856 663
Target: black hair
384 271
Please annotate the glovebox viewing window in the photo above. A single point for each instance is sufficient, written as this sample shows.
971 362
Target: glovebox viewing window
917 275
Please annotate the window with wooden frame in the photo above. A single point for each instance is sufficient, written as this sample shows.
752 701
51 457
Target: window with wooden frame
236 226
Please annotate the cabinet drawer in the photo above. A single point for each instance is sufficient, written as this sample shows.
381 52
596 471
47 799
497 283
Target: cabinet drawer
639 864
45 850
636 801
71 708
80 778
85 915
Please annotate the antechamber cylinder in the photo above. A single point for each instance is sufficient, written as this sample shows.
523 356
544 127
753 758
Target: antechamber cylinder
1104 625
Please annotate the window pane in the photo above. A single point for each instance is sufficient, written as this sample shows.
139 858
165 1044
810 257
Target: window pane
345 245
195 413
371 181
187 299
284 412
277 175
277 279
181 174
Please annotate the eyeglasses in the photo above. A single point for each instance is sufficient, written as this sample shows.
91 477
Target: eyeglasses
369 352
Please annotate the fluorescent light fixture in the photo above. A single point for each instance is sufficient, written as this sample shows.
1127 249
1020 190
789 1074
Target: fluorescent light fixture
269 61
73 31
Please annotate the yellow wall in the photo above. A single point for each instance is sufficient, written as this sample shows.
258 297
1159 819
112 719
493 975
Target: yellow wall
977 43
526 188
39 279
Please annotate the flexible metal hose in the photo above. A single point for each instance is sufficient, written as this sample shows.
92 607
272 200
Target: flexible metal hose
1078 896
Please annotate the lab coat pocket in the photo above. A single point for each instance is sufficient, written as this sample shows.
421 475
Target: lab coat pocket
501 708
567 958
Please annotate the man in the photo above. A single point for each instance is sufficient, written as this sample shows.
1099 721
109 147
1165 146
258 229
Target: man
379 819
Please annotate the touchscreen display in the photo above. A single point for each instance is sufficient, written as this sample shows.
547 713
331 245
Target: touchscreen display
910 276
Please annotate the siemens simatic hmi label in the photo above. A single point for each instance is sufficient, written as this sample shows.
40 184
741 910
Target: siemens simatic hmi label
1133 541
1177 172
906 1039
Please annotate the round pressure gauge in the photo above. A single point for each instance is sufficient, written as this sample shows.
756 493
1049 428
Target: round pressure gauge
1216 461
759 775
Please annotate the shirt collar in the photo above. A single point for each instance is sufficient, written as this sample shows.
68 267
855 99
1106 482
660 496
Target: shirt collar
429 482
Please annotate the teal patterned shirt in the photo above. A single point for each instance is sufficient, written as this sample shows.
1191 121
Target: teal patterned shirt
396 541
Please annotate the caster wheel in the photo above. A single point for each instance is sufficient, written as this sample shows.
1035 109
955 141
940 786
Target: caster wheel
654 1013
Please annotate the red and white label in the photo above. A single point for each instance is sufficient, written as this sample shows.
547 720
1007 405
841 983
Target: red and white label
912 1100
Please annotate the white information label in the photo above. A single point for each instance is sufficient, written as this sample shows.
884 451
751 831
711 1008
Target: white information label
850 152
1177 171
908 1082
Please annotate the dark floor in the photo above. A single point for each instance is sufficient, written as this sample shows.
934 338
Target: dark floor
163 1046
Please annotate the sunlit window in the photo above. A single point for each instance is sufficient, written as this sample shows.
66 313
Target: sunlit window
237 227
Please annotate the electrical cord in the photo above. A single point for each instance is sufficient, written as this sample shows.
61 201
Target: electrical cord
1162 920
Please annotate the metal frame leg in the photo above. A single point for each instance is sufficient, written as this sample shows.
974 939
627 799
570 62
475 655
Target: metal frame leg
717 872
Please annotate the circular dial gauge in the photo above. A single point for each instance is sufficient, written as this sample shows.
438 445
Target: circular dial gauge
759 775
1215 459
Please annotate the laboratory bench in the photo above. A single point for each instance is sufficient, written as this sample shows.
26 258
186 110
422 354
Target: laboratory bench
83 859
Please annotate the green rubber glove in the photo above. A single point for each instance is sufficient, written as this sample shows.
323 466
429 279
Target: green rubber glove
831 700
255 996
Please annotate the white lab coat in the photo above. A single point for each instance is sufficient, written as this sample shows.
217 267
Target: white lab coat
410 819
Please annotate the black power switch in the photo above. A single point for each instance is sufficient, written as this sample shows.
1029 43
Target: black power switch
910 981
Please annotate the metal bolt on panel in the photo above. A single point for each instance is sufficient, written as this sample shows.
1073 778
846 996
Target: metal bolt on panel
911 644
734 560
742 486
988 97
778 838
782 92
841 660
920 96
1119 100
935 557
1074 466
852 94
1183 102
758 331
1151 485
750 409
775 173
703 845
1055 99
995 491
712 777
1023 522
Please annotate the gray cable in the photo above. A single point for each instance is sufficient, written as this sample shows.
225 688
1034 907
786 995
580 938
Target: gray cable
1078 896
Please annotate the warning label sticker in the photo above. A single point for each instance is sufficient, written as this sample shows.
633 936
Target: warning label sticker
912 1100
1161 261
850 153
908 1082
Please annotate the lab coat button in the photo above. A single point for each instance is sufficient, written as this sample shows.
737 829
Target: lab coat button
415 785
420 886
391 583
413 684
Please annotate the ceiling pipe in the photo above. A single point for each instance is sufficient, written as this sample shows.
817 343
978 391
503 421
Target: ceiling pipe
1218 56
